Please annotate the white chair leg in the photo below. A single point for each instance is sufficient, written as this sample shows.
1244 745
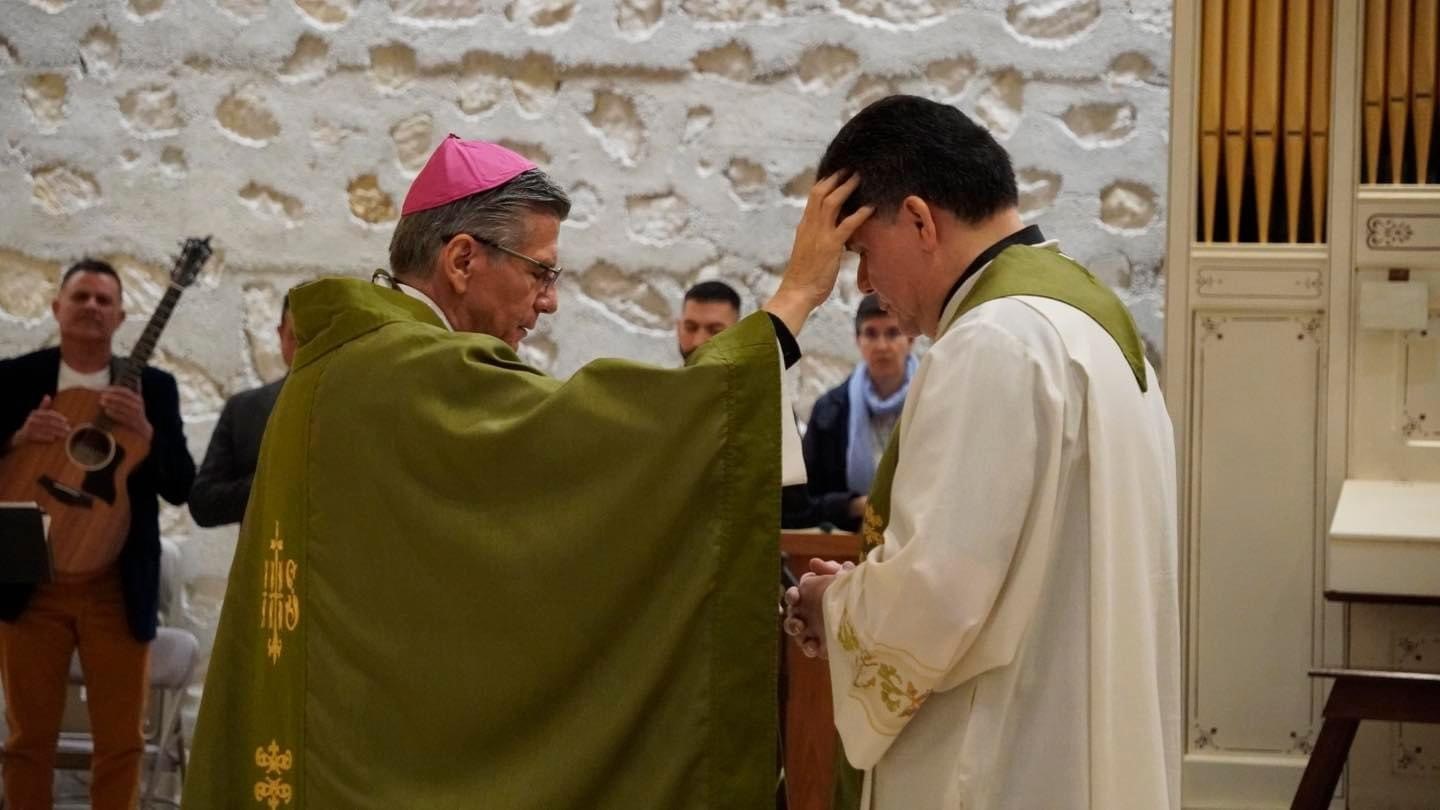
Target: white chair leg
169 716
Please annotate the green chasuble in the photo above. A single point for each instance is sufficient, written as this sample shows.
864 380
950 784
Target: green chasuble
464 584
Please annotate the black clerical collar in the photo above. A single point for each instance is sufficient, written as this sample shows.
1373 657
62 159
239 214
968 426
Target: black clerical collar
1029 235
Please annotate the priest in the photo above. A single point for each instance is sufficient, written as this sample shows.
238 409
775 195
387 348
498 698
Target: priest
463 583
1012 638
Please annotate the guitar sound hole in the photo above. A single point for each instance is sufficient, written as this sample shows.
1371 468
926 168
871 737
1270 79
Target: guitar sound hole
90 447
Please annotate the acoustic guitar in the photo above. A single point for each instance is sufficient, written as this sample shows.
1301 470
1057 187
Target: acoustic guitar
80 481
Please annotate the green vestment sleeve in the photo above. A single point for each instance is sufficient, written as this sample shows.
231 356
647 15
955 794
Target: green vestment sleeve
461 583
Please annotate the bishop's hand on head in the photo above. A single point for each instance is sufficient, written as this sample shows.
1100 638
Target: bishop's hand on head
820 238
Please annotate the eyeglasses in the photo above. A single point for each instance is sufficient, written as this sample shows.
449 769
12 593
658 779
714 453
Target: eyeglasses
548 272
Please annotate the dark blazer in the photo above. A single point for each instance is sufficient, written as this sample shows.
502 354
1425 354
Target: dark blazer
826 496
167 473
222 487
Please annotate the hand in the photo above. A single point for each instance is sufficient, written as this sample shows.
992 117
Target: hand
857 506
815 257
42 426
804 606
127 409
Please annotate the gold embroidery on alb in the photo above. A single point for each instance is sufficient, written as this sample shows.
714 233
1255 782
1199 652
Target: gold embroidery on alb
272 789
279 604
881 678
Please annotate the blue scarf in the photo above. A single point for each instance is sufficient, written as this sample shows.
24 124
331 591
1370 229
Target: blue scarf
864 402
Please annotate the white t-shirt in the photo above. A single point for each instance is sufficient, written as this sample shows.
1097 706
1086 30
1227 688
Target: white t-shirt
70 378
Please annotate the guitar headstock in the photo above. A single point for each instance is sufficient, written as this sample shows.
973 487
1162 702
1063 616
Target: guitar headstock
193 254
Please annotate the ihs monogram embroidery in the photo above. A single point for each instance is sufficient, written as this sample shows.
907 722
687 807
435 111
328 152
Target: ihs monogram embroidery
279 604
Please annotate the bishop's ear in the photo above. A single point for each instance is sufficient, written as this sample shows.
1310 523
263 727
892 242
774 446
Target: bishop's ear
457 259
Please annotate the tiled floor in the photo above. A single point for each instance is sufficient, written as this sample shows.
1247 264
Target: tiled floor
72 791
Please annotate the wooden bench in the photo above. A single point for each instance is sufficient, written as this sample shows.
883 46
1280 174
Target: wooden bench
1361 694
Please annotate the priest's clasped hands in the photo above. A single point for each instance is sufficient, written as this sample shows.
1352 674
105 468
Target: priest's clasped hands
805 606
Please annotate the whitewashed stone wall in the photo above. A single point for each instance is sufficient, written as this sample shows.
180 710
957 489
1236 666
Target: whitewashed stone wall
686 130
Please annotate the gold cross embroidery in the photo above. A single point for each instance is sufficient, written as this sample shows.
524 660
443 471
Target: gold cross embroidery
279 604
271 789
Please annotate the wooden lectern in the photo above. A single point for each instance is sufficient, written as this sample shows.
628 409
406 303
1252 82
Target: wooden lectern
809 718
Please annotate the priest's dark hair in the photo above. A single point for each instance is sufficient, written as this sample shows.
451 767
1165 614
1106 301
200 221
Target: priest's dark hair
717 291
497 215
907 145
88 265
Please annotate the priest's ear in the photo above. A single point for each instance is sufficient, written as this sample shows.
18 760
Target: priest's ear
456 260
916 213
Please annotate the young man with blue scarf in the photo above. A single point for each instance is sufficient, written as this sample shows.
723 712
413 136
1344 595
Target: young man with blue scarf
851 424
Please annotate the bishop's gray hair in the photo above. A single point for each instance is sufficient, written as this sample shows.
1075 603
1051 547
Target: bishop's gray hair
497 215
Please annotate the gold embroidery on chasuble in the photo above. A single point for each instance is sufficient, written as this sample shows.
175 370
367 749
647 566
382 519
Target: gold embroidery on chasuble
272 789
873 531
888 694
279 604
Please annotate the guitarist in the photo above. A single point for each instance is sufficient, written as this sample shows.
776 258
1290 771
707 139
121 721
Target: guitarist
103 598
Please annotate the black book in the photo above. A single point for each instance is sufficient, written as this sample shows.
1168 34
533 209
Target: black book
24 544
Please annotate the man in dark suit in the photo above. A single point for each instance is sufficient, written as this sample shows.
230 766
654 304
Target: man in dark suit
843 445
103 599
707 309
222 488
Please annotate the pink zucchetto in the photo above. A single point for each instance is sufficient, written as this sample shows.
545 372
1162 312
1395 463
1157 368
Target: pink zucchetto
459 168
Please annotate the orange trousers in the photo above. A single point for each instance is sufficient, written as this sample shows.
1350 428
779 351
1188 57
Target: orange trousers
35 655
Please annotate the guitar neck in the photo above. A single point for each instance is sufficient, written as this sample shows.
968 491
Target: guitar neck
192 257
145 347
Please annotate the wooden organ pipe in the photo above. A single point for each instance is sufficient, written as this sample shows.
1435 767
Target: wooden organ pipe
1237 105
1373 92
1296 104
1398 84
1319 114
1265 108
1423 81
1212 71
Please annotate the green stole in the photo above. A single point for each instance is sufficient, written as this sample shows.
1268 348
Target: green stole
1017 270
